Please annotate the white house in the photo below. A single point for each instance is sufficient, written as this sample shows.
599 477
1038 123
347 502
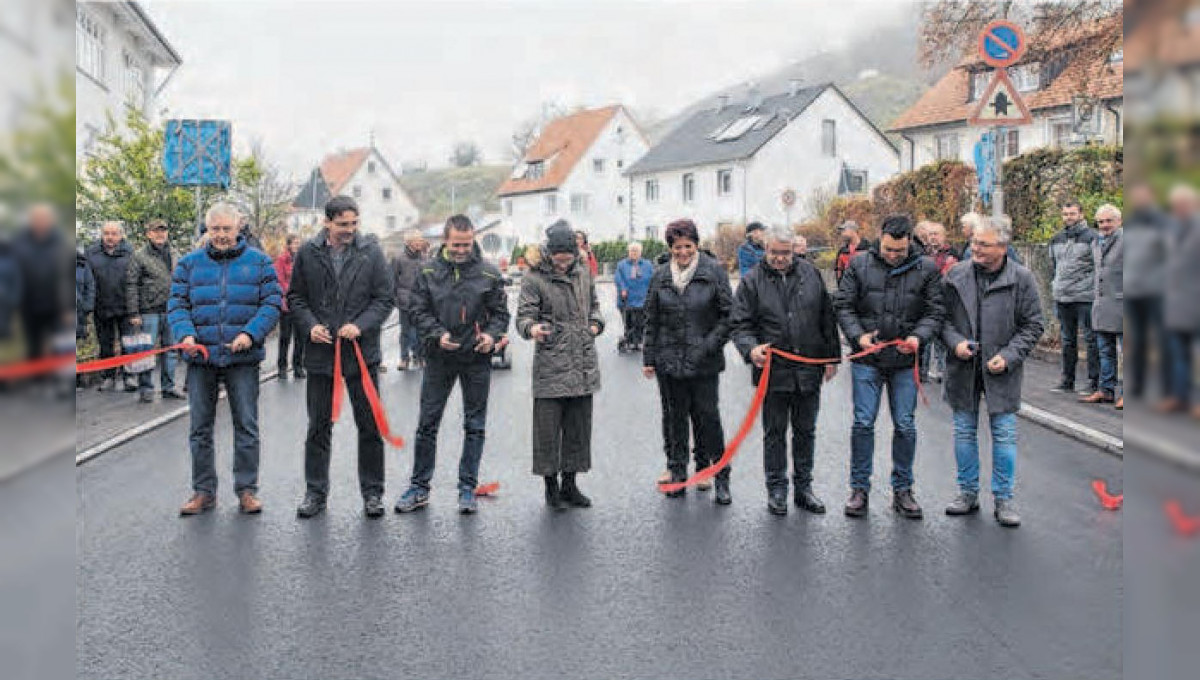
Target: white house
35 41
575 171
1071 100
121 58
364 175
732 164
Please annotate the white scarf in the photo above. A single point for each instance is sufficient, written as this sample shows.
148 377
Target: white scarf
680 278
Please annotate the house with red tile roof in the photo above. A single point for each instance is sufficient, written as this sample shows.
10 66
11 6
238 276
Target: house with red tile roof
1162 58
1075 94
364 175
574 171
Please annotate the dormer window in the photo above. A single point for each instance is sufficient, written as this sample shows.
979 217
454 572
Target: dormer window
535 170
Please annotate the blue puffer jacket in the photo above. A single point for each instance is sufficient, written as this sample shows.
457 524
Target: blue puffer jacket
633 277
215 295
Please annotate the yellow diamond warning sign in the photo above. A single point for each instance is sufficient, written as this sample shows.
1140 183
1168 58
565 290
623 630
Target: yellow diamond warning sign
1000 104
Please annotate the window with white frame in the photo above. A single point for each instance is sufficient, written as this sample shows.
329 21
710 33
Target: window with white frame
854 181
386 194
391 223
945 146
357 191
550 204
89 45
598 166
724 182
652 191
507 205
580 203
133 79
829 138
535 170
1060 133
689 188
1012 143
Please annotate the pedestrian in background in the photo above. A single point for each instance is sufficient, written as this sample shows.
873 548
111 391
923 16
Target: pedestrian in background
44 255
85 293
800 246
1108 314
1182 311
585 252
933 358
853 245
559 311
1145 283
632 279
1074 290
147 290
109 260
892 292
688 310
226 299
405 268
289 338
783 303
750 253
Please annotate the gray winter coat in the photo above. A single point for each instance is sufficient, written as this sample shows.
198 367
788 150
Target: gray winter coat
147 282
1108 314
1182 310
1008 323
565 364
1071 257
1145 244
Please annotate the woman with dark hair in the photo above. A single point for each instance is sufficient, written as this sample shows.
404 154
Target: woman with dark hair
586 254
688 312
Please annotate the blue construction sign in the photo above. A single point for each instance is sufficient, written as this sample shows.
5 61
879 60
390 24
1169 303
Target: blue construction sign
985 165
197 152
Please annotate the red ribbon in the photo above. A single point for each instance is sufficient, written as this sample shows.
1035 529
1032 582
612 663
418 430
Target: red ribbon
368 387
126 359
1109 501
1183 524
756 405
28 369
488 489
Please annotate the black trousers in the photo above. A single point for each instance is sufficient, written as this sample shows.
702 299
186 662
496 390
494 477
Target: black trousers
289 335
1144 318
562 435
635 325
108 333
692 401
800 410
318 444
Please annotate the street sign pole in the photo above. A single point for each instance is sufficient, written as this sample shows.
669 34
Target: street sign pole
998 182
199 217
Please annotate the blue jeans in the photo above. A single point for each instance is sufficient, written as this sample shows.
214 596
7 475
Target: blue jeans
241 387
1109 345
1004 452
158 328
1181 366
1075 316
475 376
410 340
869 383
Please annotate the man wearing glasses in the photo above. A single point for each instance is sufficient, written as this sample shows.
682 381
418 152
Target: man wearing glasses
341 287
993 322
1108 314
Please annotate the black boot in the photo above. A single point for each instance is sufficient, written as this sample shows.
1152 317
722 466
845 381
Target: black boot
570 493
553 496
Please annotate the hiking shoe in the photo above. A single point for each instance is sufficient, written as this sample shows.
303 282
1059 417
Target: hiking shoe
467 505
906 504
1006 513
311 506
965 503
413 499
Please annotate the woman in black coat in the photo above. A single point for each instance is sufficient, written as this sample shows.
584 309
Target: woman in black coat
688 312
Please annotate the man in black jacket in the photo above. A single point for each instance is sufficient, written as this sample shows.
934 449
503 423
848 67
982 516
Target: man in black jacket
341 285
405 268
893 292
109 260
783 303
460 310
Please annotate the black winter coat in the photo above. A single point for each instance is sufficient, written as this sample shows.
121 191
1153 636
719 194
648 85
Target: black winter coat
791 311
405 268
44 263
686 333
463 300
109 271
896 302
361 295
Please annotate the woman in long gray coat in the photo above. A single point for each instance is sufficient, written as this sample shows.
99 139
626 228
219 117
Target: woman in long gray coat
559 311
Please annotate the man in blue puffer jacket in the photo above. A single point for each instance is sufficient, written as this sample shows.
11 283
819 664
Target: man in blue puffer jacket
633 282
226 298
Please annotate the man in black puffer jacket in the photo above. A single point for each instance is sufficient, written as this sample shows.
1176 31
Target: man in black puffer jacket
783 303
109 260
341 286
460 310
893 292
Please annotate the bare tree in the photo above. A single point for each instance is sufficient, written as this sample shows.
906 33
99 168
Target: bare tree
527 131
466 154
260 190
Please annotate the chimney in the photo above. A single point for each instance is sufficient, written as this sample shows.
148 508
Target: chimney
793 87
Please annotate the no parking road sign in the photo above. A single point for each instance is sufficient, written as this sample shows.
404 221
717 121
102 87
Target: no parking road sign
1002 43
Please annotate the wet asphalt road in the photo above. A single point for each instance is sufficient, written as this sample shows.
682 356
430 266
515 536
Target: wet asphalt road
640 586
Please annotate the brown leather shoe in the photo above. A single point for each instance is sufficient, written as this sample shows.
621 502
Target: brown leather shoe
198 503
248 504
1097 397
1169 406
1120 405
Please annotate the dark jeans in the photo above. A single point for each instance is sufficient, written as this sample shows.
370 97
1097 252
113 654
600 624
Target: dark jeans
562 435
438 380
869 383
1074 316
1143 317
1181 366
289 335
108 333
317 446
241 387
39 330
694 400
410 340
635 325
800 410
1109 345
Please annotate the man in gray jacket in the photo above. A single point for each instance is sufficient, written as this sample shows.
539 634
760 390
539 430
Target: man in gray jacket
1073 290
993 321
1144 238
1108 318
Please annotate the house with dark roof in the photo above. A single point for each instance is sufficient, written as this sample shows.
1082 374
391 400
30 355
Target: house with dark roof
574 171
364 175
1074 93
734 163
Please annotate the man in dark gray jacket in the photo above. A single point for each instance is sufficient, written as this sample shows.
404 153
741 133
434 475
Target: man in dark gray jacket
1074 289
993 322
1181 309
147 288
1145 241
1108 317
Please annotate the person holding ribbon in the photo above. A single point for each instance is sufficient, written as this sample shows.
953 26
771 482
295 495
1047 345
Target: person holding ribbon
688 307
340 295
890 296
460 310
782 304
224 301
